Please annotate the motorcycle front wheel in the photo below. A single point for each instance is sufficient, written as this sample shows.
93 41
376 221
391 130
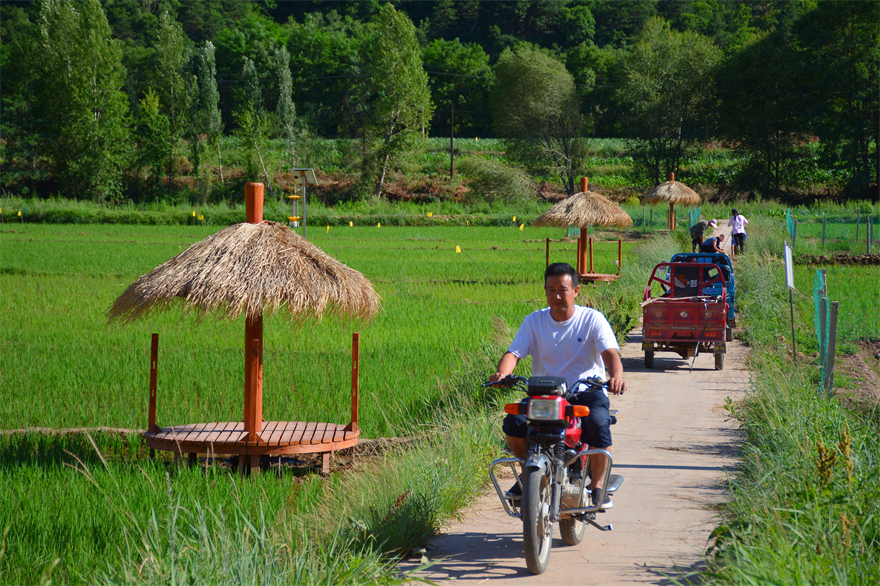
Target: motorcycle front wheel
537 528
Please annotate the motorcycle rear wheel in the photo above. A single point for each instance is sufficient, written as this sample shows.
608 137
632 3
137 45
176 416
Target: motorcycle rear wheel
537 528
572 530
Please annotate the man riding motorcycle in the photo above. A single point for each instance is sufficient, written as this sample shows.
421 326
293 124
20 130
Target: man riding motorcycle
573 342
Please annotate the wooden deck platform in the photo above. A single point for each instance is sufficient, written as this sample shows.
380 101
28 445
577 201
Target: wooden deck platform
230 437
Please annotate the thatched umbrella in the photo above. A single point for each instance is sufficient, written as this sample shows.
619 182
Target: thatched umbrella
584 209
252 268
673 192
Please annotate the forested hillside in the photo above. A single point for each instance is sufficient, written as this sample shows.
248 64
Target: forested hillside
115 100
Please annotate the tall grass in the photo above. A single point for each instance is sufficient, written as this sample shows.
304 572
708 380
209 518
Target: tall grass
806 498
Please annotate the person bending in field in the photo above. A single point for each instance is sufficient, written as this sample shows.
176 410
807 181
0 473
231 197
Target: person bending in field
697 231
713 244
574 342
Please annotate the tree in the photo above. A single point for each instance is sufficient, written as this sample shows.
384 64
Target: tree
459 78
536 108
401 103
285 110
252 123
154 140
325 60
762 105
839 47
169 82
666 93
204 115
79 93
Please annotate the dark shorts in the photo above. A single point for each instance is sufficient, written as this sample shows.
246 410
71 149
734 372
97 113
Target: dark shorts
595 427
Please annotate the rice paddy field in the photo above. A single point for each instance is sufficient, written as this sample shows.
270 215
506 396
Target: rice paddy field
73 517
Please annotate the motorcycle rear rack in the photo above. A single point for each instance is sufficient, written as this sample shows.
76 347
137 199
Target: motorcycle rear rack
612 483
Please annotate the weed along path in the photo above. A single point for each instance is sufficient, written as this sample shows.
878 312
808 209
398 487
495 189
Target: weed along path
673 444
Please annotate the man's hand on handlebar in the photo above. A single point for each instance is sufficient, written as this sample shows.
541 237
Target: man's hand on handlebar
497 377
616 385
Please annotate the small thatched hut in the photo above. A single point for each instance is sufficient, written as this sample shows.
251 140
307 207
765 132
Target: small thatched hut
672 192
252 268
585 209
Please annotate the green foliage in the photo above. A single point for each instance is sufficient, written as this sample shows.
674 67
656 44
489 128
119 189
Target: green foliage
286 110
154 139
494 180
536 107
666 91
807 486
78 91
459 77
401 103
839 50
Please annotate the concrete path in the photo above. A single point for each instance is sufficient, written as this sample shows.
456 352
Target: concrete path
674 444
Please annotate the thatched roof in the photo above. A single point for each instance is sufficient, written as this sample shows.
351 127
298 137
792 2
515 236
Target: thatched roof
251 269
584 209
672 192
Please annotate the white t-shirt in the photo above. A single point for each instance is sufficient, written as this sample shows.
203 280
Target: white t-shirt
739 224
571 349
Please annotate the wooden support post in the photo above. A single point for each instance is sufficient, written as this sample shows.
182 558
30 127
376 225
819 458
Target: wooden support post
253 379
253 339
355 380
325 463
582 252
619 256
591 256
154 368
547 255
192 459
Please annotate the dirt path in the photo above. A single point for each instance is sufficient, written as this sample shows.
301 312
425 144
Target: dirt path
673 444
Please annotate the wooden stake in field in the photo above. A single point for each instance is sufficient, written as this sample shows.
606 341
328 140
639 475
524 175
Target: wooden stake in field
249 269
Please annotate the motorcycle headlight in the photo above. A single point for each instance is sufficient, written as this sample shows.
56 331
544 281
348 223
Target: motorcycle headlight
545 410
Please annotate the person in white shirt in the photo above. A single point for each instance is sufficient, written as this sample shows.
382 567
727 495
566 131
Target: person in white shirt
738 231
574 342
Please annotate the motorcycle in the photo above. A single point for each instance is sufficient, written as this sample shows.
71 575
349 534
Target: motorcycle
556 469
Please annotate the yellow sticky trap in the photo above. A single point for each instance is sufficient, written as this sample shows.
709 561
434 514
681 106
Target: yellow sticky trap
328 227
201 217
457 248
19 213
514 218
194 214
430 214
521 227
379 225
351 224
466 222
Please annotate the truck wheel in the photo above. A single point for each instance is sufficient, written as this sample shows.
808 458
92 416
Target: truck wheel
537 528
728 334
649 359
719 362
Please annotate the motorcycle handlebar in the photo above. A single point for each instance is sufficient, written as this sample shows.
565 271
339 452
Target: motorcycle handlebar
593 383
510 380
